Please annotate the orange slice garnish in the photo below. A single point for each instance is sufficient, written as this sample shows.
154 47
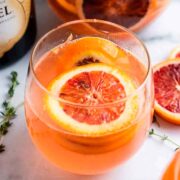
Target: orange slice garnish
89 88
94 48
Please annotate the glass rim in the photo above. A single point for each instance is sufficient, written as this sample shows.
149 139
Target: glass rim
88 21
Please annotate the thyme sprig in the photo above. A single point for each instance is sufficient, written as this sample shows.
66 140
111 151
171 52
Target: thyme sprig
8 112
164 138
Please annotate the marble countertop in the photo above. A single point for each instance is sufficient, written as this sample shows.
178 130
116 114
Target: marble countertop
22 161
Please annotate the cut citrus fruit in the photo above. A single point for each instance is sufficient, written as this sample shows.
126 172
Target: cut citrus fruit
131 14
92 90
173 170
68 5
167 90
175 53
90 49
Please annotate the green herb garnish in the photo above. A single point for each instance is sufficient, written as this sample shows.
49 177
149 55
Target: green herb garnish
164 138
8 112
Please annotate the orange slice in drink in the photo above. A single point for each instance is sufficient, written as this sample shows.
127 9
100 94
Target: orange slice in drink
92 91
89 50
167 90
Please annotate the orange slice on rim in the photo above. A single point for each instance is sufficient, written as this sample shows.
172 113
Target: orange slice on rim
92 91
167 90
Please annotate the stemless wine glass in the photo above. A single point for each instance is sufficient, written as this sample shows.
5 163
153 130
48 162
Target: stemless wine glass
89 95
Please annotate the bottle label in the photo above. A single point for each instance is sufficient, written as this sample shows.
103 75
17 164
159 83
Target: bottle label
14 18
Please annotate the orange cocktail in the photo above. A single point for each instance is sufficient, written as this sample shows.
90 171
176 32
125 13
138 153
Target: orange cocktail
132 14
89 96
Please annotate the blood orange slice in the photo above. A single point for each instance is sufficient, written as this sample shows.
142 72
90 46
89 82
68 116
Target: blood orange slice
92 90
89 50
175 53
167 90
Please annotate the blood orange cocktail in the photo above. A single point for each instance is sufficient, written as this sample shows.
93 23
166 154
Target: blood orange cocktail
132 14
88 98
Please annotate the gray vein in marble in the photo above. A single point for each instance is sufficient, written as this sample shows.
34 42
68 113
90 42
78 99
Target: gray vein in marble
174 38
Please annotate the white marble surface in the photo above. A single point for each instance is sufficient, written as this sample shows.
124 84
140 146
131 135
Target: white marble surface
22 161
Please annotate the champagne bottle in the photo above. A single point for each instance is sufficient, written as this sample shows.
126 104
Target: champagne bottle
17 29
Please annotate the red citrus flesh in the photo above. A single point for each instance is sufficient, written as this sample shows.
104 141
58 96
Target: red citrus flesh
93 88
167 87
